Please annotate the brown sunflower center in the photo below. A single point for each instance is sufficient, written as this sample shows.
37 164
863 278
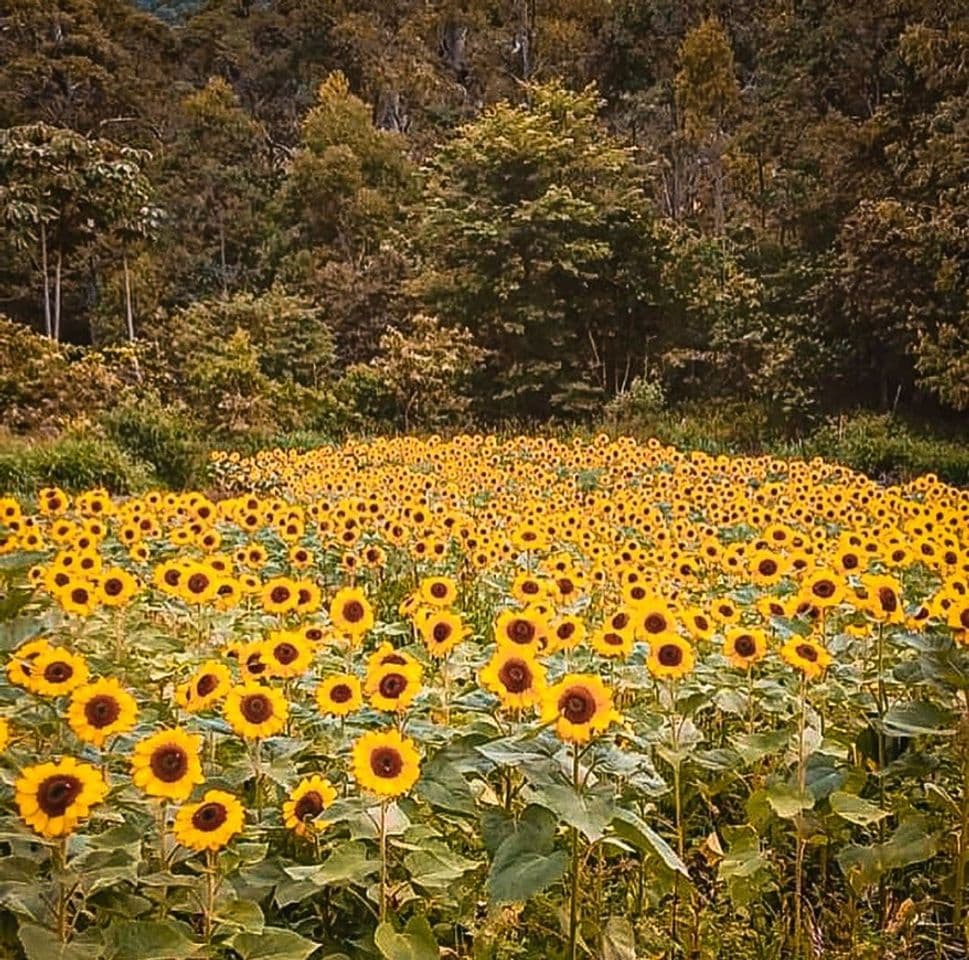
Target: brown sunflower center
80 596
169 763
620 621
744 645
613 639
341 693
439 590
386 762
206 684
58 672
279 594
654 623
309 805
392 685
210 816
823 589
113 586
197 583
888 600
256 707
441 632
520 631
577 705
565 630
670 655
767 567
849 561
353 611
55 794
285 653
515 676
102 711
806 652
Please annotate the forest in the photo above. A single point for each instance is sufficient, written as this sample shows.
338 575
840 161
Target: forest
741 220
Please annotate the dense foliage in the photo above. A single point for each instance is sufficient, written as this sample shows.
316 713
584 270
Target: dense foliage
758 201
487 699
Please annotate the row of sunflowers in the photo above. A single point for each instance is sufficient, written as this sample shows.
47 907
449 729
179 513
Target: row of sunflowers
487 698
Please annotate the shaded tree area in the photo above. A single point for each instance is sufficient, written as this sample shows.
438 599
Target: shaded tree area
764 201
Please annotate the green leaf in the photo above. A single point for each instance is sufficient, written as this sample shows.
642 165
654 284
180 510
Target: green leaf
241 915
755 746
588 813
915 719
436 866
347 863
787 801
526 862
273 943
633 828
149 940
40 943
855 809
415 943
744 869
910 843
618 939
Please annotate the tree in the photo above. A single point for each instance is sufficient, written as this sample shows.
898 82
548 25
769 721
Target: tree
536 236
427 370
60 191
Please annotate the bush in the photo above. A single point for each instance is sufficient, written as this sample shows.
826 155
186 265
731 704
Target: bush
75 461
165 437
885 447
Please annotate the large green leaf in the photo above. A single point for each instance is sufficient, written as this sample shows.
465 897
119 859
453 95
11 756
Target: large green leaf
855 809
745 870
917 718
912 842
618 939
787 801
435 866
41 943
415 943
588 813
149 940
273 943
526 861
633 828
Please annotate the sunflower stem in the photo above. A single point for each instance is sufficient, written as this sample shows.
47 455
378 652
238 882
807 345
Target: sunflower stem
962 851
208 907
60 865
383 861
801 845
574 882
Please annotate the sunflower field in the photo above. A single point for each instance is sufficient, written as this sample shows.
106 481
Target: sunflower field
487 698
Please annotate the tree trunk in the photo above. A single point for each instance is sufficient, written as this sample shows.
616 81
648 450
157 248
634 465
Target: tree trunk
43 261
57 294
129 313
222 263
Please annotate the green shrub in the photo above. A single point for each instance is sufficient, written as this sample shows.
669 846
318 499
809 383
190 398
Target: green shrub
885 447
75 461
165 437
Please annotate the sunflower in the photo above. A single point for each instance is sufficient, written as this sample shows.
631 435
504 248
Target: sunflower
698 624
308 800
806 655
100 710
883 600
57 671
385 654
255 711
526 589
386 763
198 583
116 587
565 633
441 631
78 597
670 657
209 684
652 616
351 613
393 687
286 654
339 695
308 597
4 733
525 631
54 797
823 588
280 595
743 647
438 591
209 824
518 679
22 664
611 643
766 568
167 764
580 705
